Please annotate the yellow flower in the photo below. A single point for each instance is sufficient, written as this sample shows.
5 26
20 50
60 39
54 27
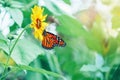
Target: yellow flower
38 23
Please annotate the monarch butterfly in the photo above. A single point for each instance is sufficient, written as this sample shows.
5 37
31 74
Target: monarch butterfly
51 40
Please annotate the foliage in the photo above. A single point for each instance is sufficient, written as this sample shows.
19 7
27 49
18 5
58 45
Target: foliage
92 50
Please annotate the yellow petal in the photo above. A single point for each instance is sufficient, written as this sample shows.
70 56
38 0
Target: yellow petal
37 13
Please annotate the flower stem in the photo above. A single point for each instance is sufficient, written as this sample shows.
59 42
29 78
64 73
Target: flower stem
10 52
53 62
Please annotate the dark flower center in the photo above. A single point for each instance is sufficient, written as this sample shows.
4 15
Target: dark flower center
38 25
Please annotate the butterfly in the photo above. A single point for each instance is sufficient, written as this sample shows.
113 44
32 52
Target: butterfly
51 40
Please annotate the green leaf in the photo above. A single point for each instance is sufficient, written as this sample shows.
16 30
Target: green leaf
67 1
88 67
116 17
105 69
99 61
81 76
26 50
114 72
118 39
42 71
16 4
17 15
96 36
3 43
70 26
116 22
2 37
112 45
93 43
106 2
30 75
52 7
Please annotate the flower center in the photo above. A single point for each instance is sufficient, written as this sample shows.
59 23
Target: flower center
38 25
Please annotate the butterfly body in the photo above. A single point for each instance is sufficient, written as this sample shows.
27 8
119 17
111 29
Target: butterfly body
51 40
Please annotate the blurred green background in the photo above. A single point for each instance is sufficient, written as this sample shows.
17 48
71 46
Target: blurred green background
90 29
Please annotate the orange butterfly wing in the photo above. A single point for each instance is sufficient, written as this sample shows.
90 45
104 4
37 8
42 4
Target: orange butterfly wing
50 41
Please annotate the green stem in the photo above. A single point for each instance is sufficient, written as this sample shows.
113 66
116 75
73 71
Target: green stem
28 6
7 74
11 50
55 59
6 65
3 17
53 62
50 61
17 39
